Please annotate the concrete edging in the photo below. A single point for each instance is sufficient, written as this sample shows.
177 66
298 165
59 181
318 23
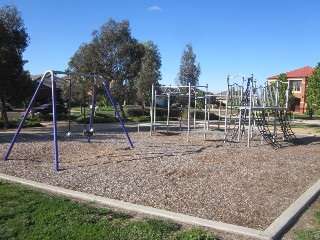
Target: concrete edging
220 226
274 231
281 224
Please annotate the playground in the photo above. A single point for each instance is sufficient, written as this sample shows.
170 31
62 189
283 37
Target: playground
230 183
245 168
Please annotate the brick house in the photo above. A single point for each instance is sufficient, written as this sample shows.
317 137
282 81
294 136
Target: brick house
45 91
298 80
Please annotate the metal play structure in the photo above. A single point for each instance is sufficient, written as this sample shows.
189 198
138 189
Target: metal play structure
247 111
203 126
164 93
247 107
88 132
190 95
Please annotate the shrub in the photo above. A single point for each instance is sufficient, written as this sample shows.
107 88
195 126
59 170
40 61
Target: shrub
103 115
32 123
107 108
140 119
98 119
161 118
49 117
175 105
136 112
199 115
14 123
174 112
161 112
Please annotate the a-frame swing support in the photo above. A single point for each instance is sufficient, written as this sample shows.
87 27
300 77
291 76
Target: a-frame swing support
53 74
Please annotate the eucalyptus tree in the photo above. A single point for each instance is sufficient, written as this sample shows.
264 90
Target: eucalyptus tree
115 55
149 74
13 42
189 71
84 61
313 92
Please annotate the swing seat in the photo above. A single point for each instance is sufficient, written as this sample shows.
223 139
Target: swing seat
87 133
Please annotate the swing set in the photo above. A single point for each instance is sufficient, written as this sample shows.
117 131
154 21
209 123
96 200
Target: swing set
88 131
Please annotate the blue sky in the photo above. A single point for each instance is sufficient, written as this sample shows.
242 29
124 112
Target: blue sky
229 37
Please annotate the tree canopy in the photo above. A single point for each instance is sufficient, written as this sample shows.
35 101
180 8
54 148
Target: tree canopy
313 92
115 55
149 74
189 70
283 87
13 42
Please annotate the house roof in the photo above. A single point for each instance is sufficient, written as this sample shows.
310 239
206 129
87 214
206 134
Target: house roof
47 81
301 72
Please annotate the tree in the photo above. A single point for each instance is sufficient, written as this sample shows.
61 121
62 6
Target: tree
189 71
114 55
283 87
149 74
13 42
24 87
83 61
313 92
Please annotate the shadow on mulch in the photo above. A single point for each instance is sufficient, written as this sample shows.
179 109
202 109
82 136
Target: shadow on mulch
309 139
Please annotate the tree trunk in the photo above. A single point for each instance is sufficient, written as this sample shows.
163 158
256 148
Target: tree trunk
4 113
122 113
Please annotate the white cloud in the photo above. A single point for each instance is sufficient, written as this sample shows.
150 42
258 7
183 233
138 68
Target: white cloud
155 8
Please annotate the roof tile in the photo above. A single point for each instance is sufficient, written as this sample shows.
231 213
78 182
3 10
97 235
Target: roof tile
301 72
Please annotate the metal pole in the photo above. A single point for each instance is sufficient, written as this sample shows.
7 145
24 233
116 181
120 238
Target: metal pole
69 107
242 88
168 117
250 110
287 95
195 110
189 106
55 129
84 103
181 115
93 109
241 112
263 115
206 121
276 112
226 112
219 112
151 108
209 110
25 116
117 113
155 110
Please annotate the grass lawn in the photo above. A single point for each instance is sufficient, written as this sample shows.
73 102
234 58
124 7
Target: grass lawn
30 214
314 127
306 116
311 234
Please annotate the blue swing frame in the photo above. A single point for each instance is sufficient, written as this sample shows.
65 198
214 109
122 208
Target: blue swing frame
53 74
